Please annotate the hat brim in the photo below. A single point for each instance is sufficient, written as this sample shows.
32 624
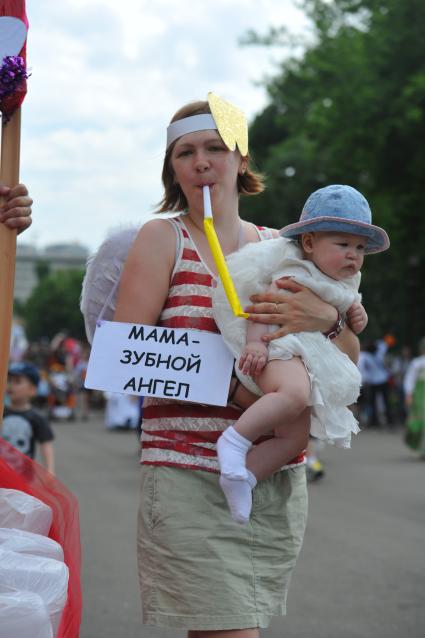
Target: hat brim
377 238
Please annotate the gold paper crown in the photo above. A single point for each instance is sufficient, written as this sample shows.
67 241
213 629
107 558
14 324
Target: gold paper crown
231 123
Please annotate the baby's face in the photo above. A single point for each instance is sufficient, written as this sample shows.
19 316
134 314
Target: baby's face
338 255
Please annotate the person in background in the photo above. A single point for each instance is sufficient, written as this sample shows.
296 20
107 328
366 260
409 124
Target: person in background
23 426
122 411
378 377
18 342
63 358
414 389
315 469
398 368
365 365
83 393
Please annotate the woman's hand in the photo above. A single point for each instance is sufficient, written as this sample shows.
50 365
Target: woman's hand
294 308
15 211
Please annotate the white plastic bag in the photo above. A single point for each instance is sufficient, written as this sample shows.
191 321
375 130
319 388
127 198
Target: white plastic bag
23 542
23 614
22 511
43 576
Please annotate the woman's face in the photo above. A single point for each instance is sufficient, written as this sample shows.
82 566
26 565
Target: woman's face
200 159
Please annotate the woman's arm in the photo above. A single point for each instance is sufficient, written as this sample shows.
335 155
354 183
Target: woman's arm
300 310
145 280
349 343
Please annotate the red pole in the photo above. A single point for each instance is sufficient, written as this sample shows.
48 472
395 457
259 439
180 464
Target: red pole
9 176
10 107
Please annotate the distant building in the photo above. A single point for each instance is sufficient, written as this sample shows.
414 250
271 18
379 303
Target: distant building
57 256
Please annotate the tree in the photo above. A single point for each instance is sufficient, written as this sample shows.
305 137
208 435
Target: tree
54 306
42 269
351 110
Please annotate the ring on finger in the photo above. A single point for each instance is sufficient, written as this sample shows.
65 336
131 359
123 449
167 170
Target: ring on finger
276 306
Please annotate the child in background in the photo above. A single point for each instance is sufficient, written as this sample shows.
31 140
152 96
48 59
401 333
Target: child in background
22 425
301 370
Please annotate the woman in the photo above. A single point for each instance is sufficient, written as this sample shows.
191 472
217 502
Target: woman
198 569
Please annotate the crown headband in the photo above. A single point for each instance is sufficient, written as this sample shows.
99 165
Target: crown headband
225 118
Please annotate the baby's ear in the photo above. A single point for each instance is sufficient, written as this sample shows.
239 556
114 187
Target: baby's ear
307 242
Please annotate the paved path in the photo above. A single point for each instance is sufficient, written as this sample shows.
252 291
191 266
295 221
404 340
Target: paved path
362 569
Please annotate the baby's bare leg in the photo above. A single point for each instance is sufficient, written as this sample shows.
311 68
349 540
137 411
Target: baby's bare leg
286 388
269 456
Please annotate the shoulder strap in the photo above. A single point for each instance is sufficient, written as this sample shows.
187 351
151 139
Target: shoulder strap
175 223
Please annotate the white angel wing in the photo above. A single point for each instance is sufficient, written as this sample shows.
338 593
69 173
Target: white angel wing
103 272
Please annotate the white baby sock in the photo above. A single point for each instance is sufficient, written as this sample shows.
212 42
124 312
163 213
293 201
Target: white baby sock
232 449
238 493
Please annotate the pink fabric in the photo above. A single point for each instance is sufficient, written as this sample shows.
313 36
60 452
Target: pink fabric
19 472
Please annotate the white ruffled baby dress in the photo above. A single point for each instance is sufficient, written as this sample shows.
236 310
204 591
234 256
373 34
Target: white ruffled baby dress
335 379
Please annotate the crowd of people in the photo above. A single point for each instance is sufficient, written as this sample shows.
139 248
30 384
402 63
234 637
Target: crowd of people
383 404
61 363
383 368
46 384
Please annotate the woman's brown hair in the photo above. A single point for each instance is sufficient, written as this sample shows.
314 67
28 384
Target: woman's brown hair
250 183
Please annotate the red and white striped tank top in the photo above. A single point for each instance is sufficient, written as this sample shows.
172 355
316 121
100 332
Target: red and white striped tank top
177 433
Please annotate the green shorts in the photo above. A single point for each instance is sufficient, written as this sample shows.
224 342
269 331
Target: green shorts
200 570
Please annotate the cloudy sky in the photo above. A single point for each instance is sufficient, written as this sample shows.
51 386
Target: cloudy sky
106 78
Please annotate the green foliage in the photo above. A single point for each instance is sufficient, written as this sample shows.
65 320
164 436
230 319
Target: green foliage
42 269
351 110
18 308
54 306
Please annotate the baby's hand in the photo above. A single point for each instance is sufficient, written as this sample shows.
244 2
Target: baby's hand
253 358
357 317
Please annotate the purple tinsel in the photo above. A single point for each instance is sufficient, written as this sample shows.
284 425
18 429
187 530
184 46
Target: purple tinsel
12 73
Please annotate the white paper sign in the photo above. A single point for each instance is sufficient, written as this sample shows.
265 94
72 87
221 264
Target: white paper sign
188 365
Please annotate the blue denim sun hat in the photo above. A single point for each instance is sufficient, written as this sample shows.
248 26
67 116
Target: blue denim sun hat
339 208
23 369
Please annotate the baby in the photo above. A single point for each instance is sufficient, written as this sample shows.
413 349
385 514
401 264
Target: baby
299 370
